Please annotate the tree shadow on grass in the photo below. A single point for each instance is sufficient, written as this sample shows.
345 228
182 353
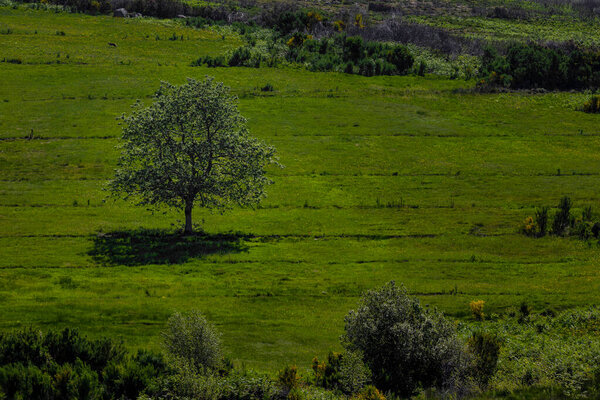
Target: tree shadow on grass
158 246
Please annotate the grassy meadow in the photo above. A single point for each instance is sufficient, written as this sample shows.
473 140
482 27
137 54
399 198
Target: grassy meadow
413 179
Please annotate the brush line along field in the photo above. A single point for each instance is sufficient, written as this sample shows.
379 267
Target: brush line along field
413 179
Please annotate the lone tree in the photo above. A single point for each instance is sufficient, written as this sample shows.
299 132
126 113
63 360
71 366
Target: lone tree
191 148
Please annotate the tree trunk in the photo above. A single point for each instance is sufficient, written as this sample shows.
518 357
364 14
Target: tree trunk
188 218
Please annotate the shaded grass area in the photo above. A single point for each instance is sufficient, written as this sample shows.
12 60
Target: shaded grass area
407 178
154 246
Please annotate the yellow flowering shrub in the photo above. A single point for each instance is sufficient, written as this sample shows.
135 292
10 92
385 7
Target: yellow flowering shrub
477 309
528 226
369 392
358 21
339 25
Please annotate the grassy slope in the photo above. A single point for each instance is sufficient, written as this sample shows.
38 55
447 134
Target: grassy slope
466 168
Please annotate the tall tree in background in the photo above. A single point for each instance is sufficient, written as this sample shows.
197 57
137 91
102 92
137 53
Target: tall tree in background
191 148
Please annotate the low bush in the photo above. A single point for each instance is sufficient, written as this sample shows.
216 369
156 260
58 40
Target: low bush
345 372
192 339
267 88
592 106
485 348
353 373
562 219
476 307
289 378
369 393
541 221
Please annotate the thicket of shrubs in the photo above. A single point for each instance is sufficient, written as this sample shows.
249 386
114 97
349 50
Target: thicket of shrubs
564 223
350 55
340 53
394 348
65 365
526 66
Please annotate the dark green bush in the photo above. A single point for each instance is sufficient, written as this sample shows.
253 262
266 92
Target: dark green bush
327 373
401 58
583 230
240 57
526 66
405 346
291 21
211 62
596 229
18 381
485 348
422 68
562 219
349 54
541 221
65 365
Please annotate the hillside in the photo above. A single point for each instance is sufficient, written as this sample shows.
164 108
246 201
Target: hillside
414 179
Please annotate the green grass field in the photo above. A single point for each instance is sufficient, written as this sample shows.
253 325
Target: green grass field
405 178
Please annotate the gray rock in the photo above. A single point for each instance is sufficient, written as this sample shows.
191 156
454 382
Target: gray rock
181 16
120 13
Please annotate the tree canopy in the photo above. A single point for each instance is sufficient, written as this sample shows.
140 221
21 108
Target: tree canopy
189 148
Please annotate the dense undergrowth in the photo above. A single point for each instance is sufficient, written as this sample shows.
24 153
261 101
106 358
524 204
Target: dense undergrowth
534 66
352 41
394 348
341 54
565 222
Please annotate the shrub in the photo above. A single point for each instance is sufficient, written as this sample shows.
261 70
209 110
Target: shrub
187 383
404 345
367 67
528 227
541 221
84 382
267 88
288 378
34 347
477 309
349 67
422 68
369 393
583 230
534 66
401 58
129 380
596 229
485 348
562 219
339 25
587 213
353 373
342 371
592 105
191 338
244 385
327 372
25 382
240 57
